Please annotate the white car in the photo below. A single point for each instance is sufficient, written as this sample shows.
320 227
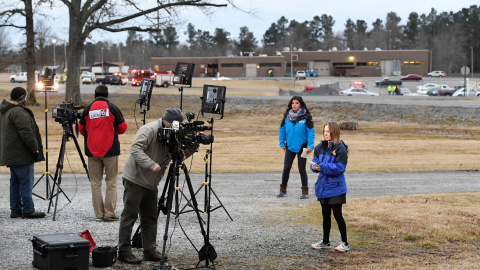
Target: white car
437 73
428 85
423 91
19 77
357 92
301 75
88 79
461 93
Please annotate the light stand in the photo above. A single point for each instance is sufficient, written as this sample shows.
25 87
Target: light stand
46 174
207 184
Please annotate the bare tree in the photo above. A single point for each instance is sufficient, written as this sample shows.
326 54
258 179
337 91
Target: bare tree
10 15
109 15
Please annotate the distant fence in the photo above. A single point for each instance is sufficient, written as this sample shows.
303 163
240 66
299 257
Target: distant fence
322 90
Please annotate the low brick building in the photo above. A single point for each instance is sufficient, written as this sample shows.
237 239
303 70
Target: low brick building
323 63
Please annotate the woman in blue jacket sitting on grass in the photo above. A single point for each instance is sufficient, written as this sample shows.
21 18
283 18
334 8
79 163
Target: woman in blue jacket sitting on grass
296 132
330 161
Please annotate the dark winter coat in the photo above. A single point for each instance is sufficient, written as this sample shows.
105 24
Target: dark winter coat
19 135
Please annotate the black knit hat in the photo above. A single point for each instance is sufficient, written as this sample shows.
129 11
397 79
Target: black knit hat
101 91
18 94
173 114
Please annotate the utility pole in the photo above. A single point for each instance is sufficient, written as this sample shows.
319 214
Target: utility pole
471 55
102 61
54 41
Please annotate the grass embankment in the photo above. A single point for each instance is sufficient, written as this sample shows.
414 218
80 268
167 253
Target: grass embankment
435 231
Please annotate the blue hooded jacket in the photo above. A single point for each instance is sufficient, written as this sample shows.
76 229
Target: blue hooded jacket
296 135
333 162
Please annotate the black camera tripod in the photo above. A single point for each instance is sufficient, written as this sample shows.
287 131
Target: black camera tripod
57 180
207 252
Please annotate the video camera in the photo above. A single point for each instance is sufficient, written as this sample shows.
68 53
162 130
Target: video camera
184 134
66 112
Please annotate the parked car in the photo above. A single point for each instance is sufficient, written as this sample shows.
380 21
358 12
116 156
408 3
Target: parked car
301 75
88 79
461 93
386 81
403 91
433 92
19 77
437 73
357 92
411 77
427 85
423 91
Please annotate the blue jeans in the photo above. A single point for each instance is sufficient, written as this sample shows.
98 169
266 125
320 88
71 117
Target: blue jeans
287 166
21 185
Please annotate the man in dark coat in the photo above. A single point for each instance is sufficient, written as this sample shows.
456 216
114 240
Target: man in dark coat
20 147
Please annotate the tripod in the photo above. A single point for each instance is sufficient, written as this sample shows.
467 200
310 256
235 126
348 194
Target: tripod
57 180
46 174
207 252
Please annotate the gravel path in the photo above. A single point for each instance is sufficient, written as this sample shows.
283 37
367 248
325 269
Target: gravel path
258 234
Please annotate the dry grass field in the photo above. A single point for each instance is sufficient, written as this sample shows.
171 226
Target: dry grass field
435 231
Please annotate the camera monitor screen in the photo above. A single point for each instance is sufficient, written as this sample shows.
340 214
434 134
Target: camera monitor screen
213 99
146 87
183 73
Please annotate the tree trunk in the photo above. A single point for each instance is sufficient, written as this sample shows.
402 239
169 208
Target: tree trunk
30 53
74 55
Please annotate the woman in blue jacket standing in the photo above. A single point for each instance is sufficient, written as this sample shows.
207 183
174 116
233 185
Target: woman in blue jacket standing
330 158
295 133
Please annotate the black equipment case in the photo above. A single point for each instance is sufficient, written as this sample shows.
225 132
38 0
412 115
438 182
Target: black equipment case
60 251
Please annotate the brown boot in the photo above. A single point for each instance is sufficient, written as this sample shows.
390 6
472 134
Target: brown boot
283 191
304 193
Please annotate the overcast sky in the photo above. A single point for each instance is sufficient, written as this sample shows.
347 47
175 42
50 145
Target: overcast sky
269 11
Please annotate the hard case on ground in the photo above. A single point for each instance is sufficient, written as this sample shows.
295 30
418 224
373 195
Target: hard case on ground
60 251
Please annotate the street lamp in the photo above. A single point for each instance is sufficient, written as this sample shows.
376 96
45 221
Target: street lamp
102 61
54 41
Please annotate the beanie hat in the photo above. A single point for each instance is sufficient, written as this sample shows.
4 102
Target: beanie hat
173 114
101 91
18 94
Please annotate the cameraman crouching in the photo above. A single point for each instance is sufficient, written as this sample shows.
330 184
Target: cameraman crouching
141 175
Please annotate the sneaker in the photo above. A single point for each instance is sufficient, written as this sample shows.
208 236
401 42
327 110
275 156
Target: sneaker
304 196
342 247
320 245
281 194
114 218
34 215
99 219
131 259
13 215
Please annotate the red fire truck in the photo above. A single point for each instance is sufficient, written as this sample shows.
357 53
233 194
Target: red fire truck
135 76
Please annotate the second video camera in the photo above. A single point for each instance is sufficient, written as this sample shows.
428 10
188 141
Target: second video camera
66 112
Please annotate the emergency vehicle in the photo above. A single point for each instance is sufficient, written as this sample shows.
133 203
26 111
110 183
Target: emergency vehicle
135 76
163 78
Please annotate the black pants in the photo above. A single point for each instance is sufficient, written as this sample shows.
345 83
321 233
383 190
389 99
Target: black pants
287 166
327 221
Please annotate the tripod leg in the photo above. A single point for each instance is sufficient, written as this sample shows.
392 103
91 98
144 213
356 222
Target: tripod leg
80 154
58 174
171 186
221 204
207 252
59 162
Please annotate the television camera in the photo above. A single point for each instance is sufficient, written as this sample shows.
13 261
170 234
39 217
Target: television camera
66 112
185 134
